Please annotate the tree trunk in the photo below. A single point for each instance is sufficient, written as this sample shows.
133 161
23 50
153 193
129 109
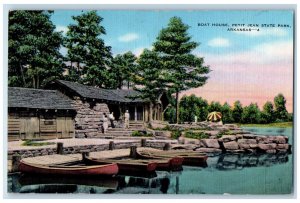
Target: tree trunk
22 73
177 107
151 111
37 81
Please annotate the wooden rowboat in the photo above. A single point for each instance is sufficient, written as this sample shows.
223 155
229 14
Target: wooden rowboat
138 165
190 158
126 166
75 168
164 164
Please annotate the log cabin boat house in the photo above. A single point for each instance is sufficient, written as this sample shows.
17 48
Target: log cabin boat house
70 109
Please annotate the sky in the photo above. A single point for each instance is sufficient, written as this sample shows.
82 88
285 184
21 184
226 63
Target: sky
249 66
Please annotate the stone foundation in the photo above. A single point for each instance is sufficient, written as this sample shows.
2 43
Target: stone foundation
86 148
88 121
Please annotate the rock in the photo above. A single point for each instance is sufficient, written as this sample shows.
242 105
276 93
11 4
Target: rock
262 139
249 136
181 140
253 146
231 145
283 146
266 147
211 132
247 141
209 150
210 143
244 146
185 147
239 136
280 140
163 133
227 138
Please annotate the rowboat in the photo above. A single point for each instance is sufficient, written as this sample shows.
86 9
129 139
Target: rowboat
138 165
190 158
164 163
126 165
75 168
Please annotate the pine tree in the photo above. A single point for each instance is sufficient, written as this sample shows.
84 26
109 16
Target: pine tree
280 109
237 112
227 113
122 67
87 50
267 115
147 78
33 49
182 69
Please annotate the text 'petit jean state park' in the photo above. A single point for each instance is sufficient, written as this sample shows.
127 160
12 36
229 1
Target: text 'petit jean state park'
90 113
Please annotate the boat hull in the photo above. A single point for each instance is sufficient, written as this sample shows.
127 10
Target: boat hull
107 169
188 158
126 167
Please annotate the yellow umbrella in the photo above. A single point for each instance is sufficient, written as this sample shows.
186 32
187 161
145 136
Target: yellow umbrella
214 116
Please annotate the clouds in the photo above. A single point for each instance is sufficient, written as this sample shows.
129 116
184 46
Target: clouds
219 42
129 37
253 75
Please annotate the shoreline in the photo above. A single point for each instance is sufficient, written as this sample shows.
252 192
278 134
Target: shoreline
269 125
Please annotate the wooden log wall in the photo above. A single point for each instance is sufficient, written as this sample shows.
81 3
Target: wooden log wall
39 125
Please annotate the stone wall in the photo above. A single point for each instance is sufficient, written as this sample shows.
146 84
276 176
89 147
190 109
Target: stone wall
246 143
88 121
24 153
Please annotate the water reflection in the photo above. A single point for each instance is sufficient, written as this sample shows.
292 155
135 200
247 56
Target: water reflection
162 183
240 161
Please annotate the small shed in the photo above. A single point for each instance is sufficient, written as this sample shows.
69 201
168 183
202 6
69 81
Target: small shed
39 114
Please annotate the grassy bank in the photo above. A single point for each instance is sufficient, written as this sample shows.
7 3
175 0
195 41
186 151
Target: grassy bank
278 125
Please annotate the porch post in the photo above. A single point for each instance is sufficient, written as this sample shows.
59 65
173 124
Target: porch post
135 114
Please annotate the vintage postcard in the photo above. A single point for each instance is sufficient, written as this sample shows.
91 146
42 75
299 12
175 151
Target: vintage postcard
180 102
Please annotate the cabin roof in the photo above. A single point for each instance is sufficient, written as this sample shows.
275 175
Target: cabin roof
116 95
37 99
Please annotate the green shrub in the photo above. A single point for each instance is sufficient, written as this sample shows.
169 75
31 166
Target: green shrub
141 134
175 134
36 144
196 135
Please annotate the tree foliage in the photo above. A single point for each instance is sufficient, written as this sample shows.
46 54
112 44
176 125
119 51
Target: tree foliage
182 69
33 49
251 114
191 106
226 111
267 115
123 67
237 112
280 109
87 50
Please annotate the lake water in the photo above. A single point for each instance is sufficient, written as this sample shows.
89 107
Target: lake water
225 174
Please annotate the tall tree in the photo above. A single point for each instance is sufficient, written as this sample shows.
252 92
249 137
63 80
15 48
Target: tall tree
122 67
33 49
251 114
183 70
215 106
191 106
267 114
237 112
147 78
87 50
227 113
280 109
